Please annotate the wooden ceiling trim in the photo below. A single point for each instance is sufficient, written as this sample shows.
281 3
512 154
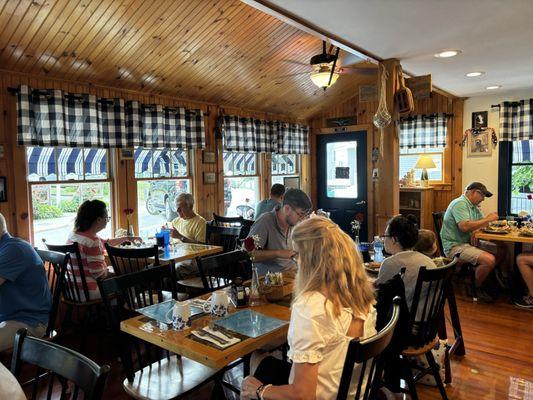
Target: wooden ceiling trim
33 50
170 46
95 33
145 31
117 39
58 47
11 47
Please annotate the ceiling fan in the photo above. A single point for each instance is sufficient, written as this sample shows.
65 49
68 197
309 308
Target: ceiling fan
325 68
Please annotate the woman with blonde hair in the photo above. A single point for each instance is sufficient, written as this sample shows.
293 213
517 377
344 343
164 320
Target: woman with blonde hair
332 304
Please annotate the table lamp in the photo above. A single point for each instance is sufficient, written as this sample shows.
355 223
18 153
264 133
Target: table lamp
424 162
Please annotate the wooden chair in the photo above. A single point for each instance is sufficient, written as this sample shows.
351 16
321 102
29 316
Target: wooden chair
64 364
227 237
438 218
218 271
55 265
150 371
126 261
426 314
366 353
74 296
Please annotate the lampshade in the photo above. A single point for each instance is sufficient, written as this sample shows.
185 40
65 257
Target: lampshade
321 77
425 161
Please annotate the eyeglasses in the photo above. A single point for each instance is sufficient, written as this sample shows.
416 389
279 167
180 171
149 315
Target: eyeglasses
301 214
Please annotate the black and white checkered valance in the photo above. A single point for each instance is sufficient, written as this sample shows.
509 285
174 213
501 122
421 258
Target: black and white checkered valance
261 136
242 134
292 138
423 131
516 120
155 126
56 118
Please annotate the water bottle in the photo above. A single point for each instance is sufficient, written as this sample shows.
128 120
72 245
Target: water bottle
378 249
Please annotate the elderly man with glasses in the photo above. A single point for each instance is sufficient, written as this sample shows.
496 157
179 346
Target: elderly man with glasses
274 228
462 218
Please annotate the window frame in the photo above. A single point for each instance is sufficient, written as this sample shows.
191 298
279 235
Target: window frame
110 175
443 164
297 173
505 177
257 175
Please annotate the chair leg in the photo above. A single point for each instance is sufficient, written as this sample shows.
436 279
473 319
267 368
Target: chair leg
436 374
409 379
473 283
218 390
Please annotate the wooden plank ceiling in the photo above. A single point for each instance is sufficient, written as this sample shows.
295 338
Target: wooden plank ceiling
220 51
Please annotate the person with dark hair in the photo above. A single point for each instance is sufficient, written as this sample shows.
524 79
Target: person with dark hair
276 197
273 230
91 218
427 243
401 236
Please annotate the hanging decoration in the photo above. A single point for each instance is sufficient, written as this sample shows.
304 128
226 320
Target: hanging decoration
382 118
480 131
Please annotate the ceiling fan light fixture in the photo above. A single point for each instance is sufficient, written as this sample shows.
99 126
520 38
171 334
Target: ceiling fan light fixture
321 77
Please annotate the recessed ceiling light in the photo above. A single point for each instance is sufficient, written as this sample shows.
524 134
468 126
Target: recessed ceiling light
447 53
494 87
474 74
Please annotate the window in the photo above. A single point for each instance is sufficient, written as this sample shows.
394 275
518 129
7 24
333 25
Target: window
341 170
284 166
521 177
241 184
60 180
162 174
409 157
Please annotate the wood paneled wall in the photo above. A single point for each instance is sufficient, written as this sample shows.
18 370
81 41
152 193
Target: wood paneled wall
209 197
437 103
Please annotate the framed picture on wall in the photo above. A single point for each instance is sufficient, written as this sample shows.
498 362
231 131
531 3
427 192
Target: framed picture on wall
3 189
291 182
126 153
479 120
479 144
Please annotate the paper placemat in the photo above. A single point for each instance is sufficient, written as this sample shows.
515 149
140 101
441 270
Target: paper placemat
208 342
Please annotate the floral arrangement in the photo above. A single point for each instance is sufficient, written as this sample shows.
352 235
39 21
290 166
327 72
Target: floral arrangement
250 244
356 227
128 212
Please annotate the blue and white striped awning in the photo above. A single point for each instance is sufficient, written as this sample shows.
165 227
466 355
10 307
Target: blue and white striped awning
158 162
47 163
523 151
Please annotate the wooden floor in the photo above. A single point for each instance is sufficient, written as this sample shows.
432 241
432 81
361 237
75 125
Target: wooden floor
498 362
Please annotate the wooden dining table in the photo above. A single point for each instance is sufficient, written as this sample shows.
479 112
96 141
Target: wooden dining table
179 342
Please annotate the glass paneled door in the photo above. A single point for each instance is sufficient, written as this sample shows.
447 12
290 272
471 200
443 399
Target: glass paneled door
342 176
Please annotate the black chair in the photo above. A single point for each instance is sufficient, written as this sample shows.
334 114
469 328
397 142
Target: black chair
426 315
219 220
126 261
366 353
150 371
64 364
438 218
55 265
75 291
227 237
218 271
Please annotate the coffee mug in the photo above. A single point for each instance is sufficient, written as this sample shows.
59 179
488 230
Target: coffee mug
181 315
218 304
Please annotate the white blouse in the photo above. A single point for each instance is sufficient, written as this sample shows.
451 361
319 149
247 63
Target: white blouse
316 336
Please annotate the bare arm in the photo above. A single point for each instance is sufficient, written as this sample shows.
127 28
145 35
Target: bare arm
265 255
2 280
177 235
120 240
470 226
303 387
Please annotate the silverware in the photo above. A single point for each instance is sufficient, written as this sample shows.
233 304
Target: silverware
201 332
221 331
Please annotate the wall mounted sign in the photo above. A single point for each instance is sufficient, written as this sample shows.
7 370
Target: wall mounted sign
342 173
341 121
420 86
126 154
368 93
208 157
210 177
